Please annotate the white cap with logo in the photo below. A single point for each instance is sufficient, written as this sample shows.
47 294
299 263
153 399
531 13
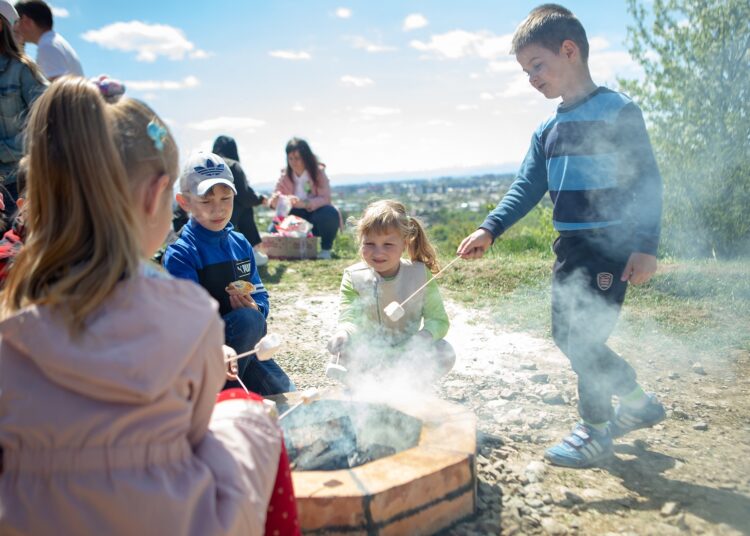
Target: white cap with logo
203 171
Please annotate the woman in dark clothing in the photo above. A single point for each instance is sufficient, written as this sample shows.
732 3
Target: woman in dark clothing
243 217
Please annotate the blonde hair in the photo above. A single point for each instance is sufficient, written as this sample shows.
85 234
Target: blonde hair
9 47
87 158
387 215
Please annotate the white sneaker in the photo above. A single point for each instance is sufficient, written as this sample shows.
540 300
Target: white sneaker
261 259
324 254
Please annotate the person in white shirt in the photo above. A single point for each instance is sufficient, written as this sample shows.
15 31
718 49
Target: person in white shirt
54 56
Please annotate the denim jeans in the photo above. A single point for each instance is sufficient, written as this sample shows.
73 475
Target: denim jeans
243 328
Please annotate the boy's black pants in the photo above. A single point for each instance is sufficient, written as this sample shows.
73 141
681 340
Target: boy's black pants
587 295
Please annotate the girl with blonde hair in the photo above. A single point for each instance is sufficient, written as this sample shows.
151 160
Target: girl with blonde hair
109 368
369 342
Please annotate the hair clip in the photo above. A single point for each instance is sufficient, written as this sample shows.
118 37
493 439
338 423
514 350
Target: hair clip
156 132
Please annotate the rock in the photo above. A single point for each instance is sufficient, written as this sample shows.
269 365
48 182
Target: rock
535 471
551 395
508 394
527 365
541 377
669 509
573 498
494 404
488 394
553 528
698 369
673 375
702 426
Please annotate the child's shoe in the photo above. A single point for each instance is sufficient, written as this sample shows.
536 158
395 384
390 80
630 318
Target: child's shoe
584 447
627 419
261 259
324 254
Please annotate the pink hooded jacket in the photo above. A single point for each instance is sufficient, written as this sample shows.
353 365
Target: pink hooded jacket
112 433
320 194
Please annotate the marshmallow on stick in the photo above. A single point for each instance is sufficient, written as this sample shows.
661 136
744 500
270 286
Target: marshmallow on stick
307 396
394 310
265 349
336 371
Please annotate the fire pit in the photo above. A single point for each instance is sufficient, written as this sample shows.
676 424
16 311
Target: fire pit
370 467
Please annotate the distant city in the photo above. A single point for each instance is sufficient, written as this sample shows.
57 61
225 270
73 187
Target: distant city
424 197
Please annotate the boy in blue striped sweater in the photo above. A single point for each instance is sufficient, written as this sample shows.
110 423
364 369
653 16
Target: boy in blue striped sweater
594 158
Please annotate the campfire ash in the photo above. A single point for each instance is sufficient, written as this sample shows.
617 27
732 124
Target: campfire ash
335 434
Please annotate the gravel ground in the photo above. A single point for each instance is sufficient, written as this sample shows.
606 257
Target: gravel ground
688 475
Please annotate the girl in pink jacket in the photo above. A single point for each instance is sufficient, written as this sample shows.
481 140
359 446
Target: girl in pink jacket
109 369
305 186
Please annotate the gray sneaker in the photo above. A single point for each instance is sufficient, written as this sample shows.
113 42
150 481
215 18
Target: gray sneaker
324 254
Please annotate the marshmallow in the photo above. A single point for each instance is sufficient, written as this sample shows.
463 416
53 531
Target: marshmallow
268 346
394 311
336 372
308 395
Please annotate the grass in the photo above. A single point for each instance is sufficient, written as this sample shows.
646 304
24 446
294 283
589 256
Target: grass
703 305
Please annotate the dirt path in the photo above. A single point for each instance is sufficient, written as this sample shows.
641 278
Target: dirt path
688 475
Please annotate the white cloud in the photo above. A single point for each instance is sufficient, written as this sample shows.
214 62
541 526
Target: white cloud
371 112
518 85
343 13
290 54
149 41
598 43
460 43
368 46
504 66
157 85
486 95
439 123
298 107
466 107
414 21
228 123
356 81
59 12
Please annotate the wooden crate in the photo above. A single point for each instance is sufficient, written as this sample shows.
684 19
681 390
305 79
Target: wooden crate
289 247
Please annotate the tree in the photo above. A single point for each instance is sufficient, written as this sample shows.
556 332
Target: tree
695 95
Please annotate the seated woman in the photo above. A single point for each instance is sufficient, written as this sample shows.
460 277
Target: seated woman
305 184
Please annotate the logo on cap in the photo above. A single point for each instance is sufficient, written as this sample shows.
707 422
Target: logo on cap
210 169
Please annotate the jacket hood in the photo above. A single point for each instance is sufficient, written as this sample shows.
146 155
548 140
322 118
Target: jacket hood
132 349
226 147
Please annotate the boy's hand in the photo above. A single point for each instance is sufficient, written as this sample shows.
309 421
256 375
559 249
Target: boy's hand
640 268
232 367
238 299
337 342
474 245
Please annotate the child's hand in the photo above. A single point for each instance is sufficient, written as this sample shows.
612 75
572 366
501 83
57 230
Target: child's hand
337 342
232 367
474 245
238 301
239 298
640 268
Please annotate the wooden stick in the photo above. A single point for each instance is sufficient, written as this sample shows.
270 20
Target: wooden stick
239 356
429 281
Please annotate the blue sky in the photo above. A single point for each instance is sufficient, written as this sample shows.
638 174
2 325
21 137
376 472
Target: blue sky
379 88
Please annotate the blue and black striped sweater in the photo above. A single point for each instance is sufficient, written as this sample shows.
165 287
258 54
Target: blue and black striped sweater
595 160
213 259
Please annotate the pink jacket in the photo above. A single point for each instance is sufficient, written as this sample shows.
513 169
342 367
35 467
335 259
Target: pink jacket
113 433
320 195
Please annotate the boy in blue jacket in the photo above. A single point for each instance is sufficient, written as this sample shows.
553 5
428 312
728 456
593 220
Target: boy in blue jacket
594 158
213 255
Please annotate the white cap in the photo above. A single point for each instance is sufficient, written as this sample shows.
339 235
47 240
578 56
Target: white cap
8 11
203 171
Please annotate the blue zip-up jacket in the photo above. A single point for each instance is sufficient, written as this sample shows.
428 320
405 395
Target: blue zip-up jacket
213 259
595 160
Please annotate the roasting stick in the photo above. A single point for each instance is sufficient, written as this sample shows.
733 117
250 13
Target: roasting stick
395 310
308 395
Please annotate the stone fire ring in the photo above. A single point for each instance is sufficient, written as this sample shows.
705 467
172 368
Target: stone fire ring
416 491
